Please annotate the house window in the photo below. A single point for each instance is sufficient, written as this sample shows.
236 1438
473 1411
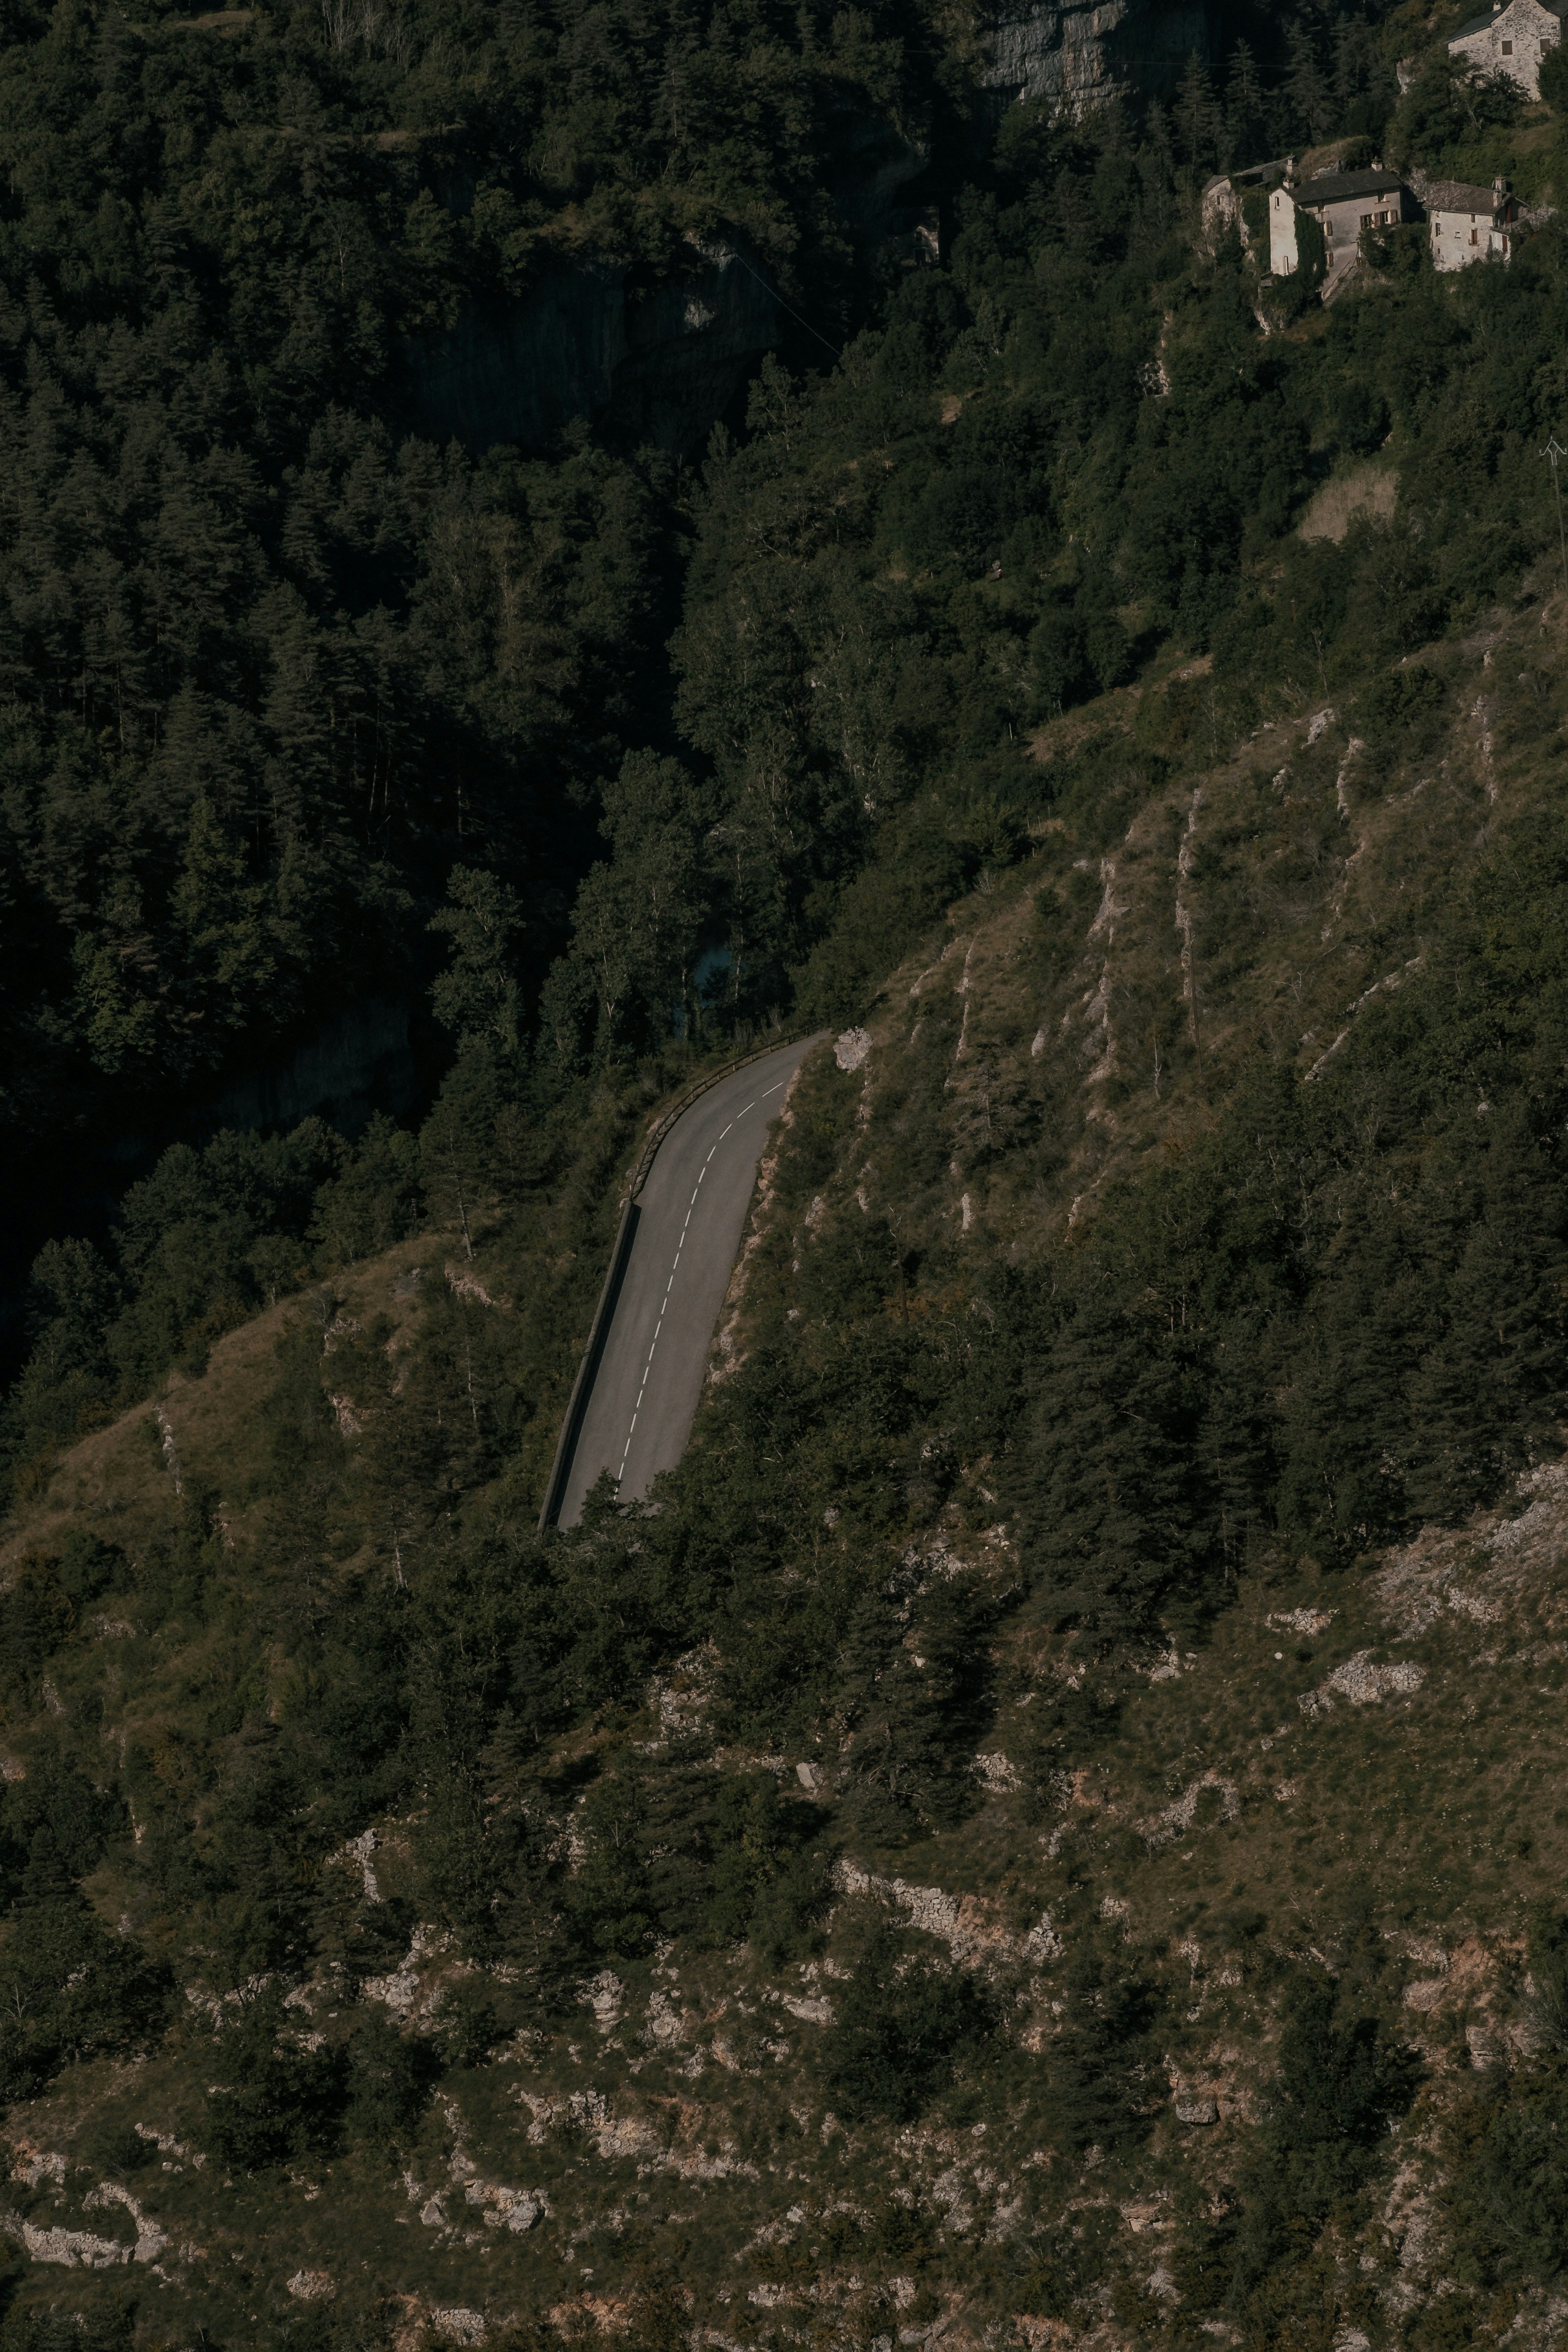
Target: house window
1508 48
1368 219
1473 238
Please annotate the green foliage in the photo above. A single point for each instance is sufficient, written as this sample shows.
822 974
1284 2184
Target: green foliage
1448 111
671 1850
1508 2143
374 1202
766 1885
49 2329
1554 78
1109 1468
1341 2080
69 1989
1102 2084
1402 708
477 997
1155 1465
389 2079
1311 252
1505 2199
903 2031
56 1800
1066 1724
468 2026
46 1601
638 921
200 1243
291 660
274 671
271 2098
117 2148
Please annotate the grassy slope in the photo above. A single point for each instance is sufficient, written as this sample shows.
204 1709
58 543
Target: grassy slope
120 1479
1399 1827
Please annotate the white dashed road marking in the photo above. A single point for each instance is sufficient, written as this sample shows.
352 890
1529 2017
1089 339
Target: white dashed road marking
663 1303
671 1284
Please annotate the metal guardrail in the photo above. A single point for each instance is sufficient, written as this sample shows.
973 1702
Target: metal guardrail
605 1313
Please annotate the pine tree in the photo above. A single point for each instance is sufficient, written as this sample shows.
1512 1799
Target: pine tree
902 2028
477 996
1156 173
1356 62
68 1988
272 2098
872 1771
1487 1395
1345 1434
375 1201
1244 124
1308 100
1237 1438
1107 1480
222 918
1197 116
1099 2062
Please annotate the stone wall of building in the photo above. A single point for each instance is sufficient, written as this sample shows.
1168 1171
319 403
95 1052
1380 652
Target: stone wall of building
1513 43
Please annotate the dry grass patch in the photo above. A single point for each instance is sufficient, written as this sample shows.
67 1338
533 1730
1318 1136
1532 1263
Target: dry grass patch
1369 493
120 1480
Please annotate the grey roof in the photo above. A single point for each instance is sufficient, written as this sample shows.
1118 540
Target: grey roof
1491 16
1338 187
1459 196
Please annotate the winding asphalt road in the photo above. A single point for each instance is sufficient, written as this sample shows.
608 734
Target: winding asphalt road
690 1214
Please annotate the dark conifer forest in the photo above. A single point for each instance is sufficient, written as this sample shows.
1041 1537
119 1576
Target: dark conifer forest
541 548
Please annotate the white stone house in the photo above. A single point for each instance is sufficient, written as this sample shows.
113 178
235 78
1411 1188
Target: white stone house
1510 39
1342 204
1467 224
1222 201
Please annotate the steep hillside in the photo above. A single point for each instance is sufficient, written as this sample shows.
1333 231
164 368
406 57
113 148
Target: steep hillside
311 598
1045 1831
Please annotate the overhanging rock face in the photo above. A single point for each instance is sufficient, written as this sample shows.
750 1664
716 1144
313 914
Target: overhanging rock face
1080 56
661 365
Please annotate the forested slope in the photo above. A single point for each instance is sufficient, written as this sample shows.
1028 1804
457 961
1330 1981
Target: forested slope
275 660
272 661
1037 1803
1044 1830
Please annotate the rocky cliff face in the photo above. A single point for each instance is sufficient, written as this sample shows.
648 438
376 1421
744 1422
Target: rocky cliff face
1080 55
661 366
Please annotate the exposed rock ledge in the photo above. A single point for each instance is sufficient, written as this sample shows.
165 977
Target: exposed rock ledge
1080 56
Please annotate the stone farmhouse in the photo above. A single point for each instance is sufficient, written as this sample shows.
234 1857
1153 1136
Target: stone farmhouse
1464 223
1510 39
1467 224
1342 204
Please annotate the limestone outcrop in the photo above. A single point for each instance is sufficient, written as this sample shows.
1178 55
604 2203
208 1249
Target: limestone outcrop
1081 54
